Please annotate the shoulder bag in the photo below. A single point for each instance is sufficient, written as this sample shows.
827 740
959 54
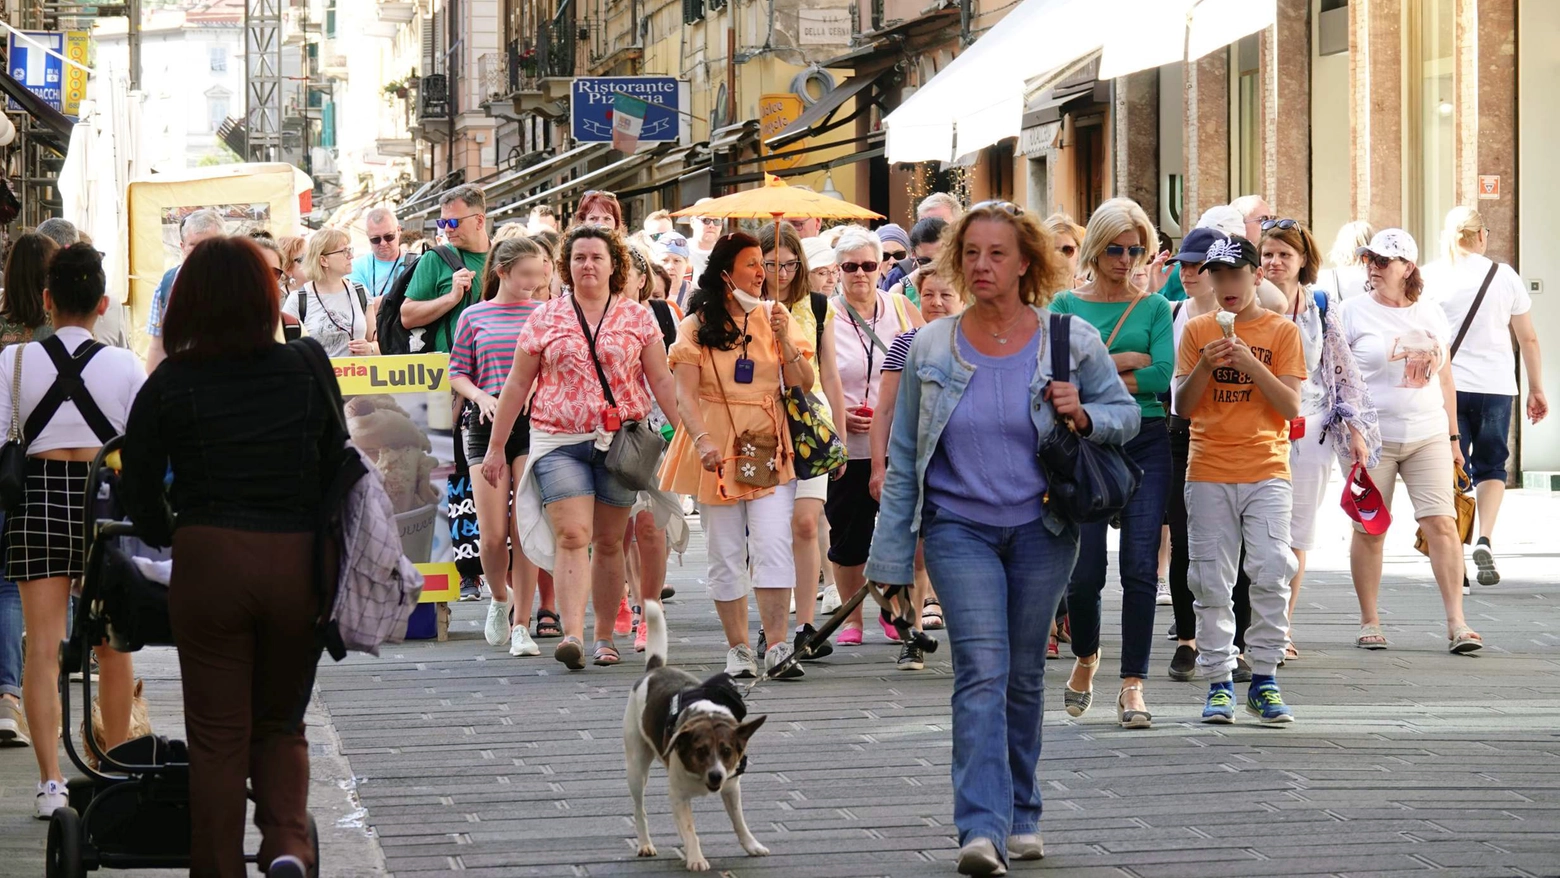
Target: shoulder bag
1086 481
1122 321
816 446
13 456
1462 499
68 386
757 454
636 449
1473 309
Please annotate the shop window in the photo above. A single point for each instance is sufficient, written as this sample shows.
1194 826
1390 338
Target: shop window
1429 116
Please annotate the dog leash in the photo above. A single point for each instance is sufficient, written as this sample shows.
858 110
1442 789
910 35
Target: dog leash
885 596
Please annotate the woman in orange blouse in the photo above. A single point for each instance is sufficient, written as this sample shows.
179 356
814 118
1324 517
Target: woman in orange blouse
733 353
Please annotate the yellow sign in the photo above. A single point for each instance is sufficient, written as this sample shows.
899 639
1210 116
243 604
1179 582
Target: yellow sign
403 373
441 583
77 44
776 113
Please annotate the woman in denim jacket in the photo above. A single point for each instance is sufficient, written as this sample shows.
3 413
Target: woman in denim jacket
975 401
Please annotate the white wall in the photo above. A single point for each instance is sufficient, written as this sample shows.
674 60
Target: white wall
1538 70
1172 148
1330 144
176 75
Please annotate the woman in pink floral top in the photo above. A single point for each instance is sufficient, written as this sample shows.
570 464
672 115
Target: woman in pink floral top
586 508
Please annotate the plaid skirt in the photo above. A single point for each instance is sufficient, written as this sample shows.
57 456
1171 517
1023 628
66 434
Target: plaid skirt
44 536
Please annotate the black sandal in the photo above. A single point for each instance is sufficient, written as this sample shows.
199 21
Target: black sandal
605 654
932 615
548 624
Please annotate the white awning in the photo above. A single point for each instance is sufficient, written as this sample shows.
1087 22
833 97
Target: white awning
978 99
1151 33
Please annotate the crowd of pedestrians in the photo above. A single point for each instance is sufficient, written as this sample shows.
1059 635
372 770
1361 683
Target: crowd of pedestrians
1232 372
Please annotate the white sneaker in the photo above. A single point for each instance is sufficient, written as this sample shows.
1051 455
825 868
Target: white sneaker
520 642
979 857
1028 846
740 662
1162 594
497 628
831 599
51 798
779 653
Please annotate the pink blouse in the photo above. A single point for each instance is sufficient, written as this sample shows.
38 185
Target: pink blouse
568 393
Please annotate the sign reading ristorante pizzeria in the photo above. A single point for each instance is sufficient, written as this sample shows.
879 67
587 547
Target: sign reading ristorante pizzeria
590 107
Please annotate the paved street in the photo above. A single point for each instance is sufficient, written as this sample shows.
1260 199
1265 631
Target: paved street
1404 761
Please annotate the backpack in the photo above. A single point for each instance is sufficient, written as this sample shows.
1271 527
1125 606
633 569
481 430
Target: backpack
377 587
667 320
1321 304
362 297
394 337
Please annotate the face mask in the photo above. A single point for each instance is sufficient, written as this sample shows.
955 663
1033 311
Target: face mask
746 300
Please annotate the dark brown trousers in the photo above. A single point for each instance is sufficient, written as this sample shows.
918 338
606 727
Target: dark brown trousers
243 606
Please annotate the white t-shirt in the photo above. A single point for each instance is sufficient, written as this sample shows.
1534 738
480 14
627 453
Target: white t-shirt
332 319
1347 281
113 377
1400 352
1485 362
1312 393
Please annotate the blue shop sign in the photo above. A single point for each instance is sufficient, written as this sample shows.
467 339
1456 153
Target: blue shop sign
39 72
590 107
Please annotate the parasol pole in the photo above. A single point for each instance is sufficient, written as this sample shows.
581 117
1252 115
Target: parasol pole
777 217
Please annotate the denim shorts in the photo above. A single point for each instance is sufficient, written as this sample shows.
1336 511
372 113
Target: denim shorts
580 471
1484 423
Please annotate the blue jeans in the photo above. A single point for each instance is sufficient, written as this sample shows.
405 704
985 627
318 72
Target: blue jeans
1484 423
1139 560
10 639
1001 588
579 470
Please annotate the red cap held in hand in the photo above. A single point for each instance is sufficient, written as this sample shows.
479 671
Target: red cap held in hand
1363 502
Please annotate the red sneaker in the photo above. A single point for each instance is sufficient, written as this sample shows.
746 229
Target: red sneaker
625 619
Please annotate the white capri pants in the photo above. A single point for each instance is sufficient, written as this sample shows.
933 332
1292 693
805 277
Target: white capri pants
1311 466
756 531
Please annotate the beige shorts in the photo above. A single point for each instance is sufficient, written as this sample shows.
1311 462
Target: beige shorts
1426 468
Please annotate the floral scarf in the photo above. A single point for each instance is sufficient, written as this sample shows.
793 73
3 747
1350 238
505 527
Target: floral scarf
1348 402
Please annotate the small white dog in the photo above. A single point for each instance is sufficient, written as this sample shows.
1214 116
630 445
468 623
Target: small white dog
698 731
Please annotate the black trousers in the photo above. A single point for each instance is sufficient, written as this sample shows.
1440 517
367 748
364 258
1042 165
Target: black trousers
1180 558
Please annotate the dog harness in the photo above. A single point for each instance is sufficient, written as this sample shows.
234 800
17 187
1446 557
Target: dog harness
718 690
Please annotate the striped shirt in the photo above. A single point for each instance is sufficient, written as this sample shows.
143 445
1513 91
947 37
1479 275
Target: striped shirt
894 360
484 347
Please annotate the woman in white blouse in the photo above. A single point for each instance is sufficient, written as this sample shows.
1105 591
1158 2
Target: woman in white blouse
1400 343
333 309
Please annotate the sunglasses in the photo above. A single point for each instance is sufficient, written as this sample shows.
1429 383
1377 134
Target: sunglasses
1116 251
602 192
280 275
895 255
346 250
1285 224
791 267
853 267
1006 207
376 240
1380 261
453 223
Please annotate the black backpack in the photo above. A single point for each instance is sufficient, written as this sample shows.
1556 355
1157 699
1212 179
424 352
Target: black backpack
666 319
394 338
362 297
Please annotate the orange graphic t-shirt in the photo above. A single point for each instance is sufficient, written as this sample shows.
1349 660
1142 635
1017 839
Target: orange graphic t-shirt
1238 438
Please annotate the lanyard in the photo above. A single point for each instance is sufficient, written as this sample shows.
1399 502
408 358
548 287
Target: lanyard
373 274
346 288
866 346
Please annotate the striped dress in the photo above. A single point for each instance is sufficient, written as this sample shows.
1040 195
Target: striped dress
484 347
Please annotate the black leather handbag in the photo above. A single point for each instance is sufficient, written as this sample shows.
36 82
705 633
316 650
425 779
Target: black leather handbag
1086 481
13 456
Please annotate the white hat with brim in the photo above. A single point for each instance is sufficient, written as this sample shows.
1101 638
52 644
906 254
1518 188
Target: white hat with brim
1393 244
818 252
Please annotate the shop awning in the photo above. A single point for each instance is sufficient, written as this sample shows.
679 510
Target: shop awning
601 178
1157 32
819 118
979 98
502 185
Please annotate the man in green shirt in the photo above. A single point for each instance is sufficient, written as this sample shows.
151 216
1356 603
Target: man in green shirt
436 295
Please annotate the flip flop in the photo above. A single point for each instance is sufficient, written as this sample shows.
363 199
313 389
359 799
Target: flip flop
1370 637
572 653
605 654
1464 640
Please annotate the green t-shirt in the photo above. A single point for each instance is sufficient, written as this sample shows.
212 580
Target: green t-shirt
431 280
1173 290
1149 330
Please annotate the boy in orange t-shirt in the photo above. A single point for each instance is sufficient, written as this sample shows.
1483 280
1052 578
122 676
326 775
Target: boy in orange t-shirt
1241 370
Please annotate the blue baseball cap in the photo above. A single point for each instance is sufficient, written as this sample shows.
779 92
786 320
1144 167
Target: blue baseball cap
1194 247
673 243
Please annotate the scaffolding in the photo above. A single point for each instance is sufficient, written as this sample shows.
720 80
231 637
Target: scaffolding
263 80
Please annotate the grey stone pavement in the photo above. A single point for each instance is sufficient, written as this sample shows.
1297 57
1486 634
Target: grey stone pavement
1407 761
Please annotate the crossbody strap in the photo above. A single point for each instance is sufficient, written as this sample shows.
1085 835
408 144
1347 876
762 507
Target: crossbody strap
1061 348
1122 321
68 386
863 325
1477 301
15 434
590 340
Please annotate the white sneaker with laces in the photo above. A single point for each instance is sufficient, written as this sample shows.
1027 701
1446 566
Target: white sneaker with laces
497 628
779 653
520 642
51 798
1162 593
831 599
740 662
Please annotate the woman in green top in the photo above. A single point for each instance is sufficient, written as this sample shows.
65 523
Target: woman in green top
1137 327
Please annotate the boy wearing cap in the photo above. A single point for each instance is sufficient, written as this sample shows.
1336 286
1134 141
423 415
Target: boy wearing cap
1240 368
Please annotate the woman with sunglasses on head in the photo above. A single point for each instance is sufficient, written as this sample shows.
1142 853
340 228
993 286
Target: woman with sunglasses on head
1068 236
1400 342
785 270
975 401
1337 419
1137 328
869 321
733 454
599 208
333 309
570 510
294 250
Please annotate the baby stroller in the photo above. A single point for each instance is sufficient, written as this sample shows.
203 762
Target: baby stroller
133 810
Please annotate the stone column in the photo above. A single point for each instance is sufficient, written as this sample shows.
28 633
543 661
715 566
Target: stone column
1207 135
1376 110
1286 108
1486 116
1136 139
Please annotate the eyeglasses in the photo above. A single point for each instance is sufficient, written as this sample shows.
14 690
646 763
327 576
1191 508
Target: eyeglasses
1284 224
1116 251
895 255
791 267
853 267
453 223
376 240
1067 250
1006 207
1378 260
346 250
